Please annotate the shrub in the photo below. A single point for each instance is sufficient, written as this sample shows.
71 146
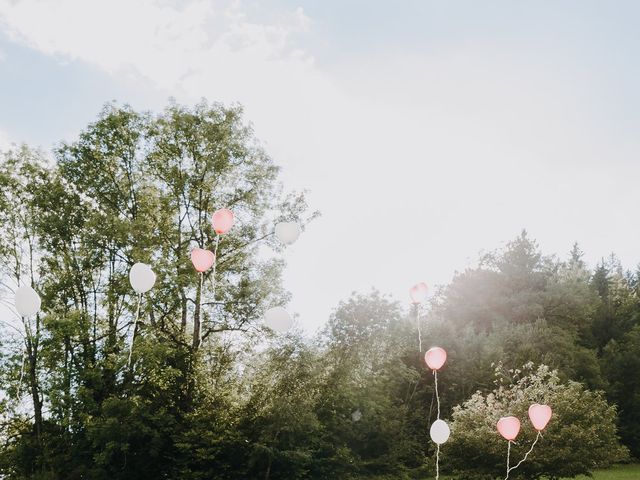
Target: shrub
580 437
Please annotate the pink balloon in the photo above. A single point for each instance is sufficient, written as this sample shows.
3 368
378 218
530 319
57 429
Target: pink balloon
509 427
435 358
202 259
222 221
418 293
539 416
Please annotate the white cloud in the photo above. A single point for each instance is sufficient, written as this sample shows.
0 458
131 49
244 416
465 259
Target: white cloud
163 41
416 161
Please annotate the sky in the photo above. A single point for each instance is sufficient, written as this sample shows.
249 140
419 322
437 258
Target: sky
425 131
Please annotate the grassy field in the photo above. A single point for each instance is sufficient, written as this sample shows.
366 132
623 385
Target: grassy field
622 472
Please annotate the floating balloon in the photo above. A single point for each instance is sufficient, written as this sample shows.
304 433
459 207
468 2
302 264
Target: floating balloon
539 416
435 358
278 319
202 259
439 432
509 427
142 277
27 301
356 415
222 221
287 232
418 293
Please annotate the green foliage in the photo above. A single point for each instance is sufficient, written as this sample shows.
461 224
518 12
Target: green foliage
211 394
581 435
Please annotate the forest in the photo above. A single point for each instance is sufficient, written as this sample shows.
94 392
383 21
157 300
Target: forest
211 392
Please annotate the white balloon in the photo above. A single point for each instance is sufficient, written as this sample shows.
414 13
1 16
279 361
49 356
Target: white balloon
440 432
356 416
142 277
278 319
27 301
287 232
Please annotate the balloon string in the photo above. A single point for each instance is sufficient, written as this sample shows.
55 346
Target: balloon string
419 332
525 456
200 303
438 462
215 264
508 459
135 327
24 354
435 376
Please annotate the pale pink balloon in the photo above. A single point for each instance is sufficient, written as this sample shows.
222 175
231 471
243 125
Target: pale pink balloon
539 416
435 358
509 427
222 221
202 259
418 293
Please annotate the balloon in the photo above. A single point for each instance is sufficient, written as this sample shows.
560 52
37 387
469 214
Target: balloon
27 301
278 319
435 358
287 232
202 259
539 416
222 221
509 427
142 278
418 293
439 432
356 415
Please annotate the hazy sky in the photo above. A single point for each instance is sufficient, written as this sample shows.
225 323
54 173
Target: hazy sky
426 131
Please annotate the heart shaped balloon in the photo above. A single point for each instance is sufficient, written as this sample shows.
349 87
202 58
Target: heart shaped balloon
418 293
222 221
202 259
435 358
539 416
509 427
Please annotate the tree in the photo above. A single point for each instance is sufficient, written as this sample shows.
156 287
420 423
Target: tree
133 187
621 363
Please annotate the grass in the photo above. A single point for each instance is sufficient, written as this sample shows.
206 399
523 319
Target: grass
620 472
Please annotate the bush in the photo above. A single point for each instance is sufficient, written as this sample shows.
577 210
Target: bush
580 437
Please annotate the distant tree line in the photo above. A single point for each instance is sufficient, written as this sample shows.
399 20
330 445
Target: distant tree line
235 400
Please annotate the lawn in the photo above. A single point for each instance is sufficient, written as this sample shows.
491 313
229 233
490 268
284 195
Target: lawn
621 472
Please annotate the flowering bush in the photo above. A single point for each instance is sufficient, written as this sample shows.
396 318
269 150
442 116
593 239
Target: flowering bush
580 437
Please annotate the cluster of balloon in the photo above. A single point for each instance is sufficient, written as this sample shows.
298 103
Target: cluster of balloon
509 428
418 294
142 279
440 431
287 232
202 259
278 319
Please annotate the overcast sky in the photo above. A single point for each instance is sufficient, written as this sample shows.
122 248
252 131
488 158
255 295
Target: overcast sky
426 131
